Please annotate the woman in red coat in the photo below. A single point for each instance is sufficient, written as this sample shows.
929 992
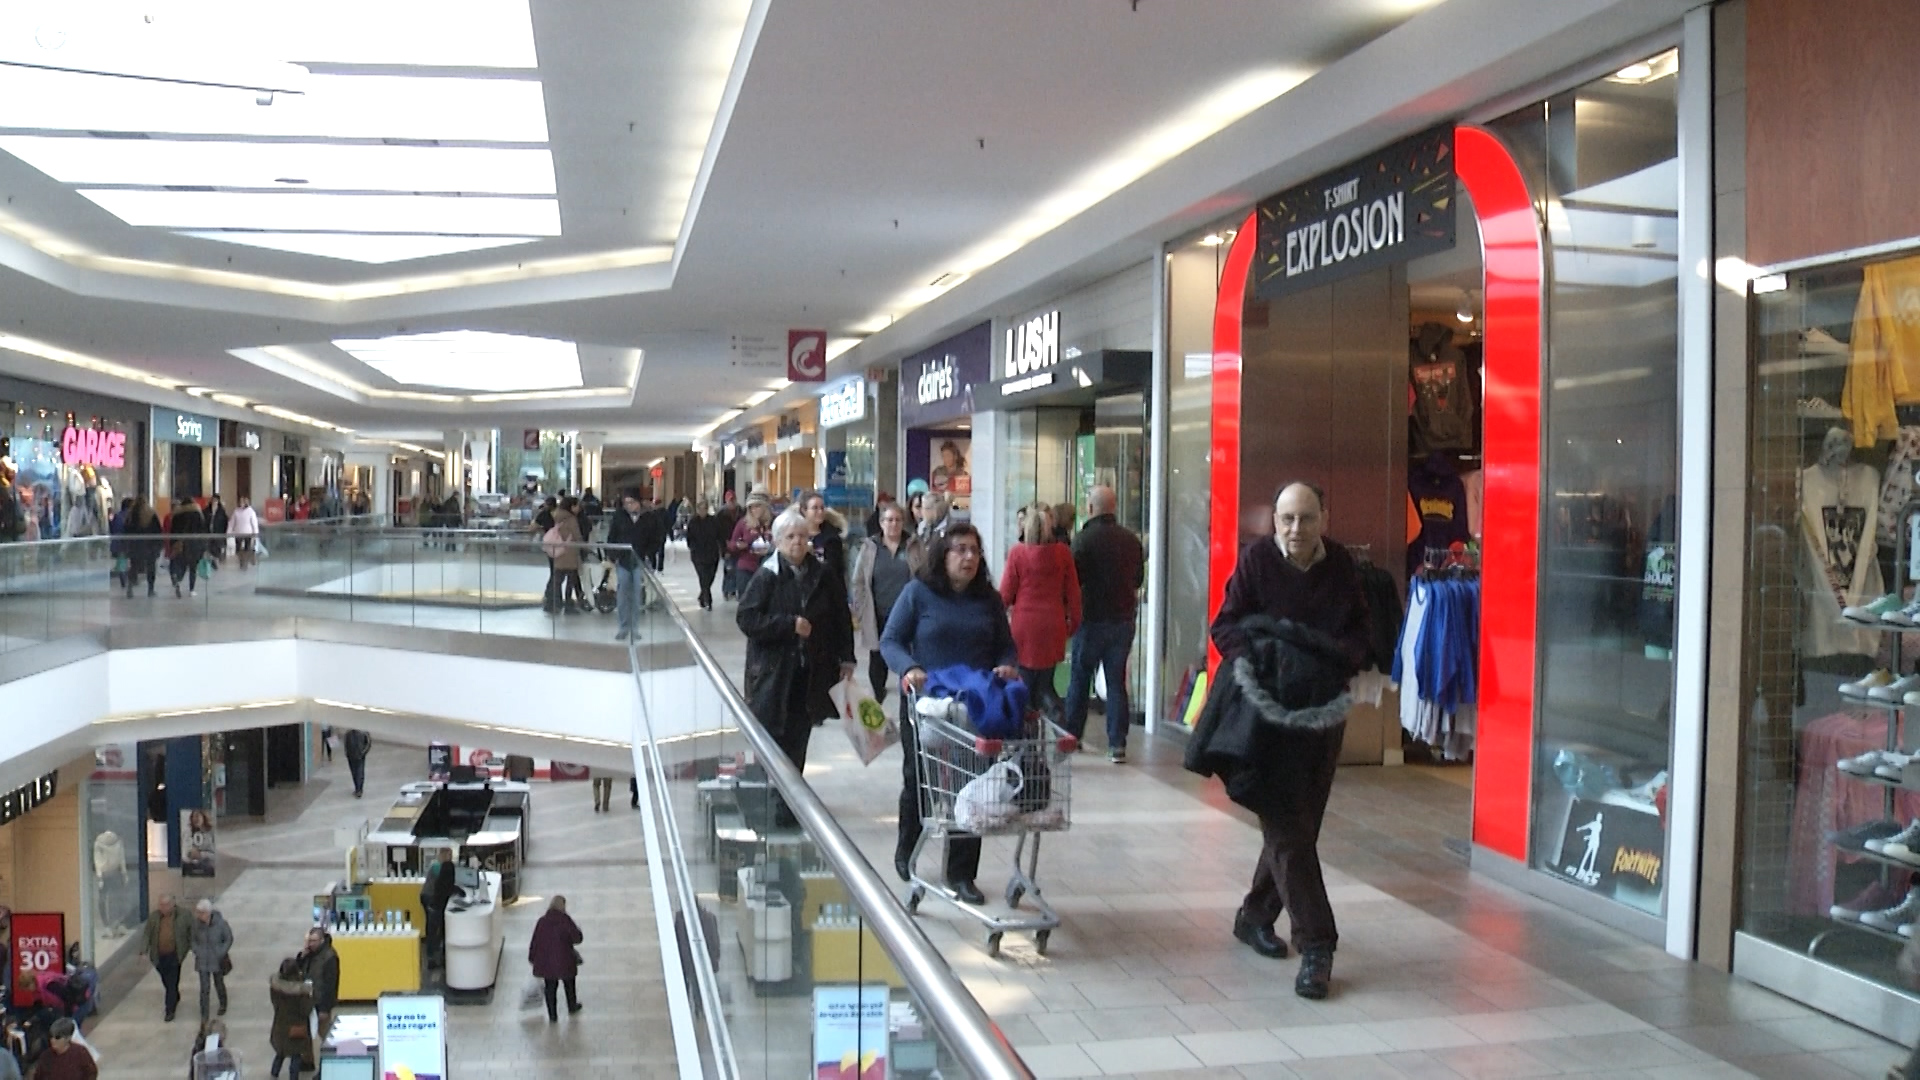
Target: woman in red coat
553 956
1042 592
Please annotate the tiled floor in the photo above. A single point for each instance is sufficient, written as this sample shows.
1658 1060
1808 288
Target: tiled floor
1440 973
277 865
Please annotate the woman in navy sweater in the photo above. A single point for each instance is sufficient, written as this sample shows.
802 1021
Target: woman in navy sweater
950 616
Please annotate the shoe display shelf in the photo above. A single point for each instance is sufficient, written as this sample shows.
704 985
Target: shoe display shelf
1894 711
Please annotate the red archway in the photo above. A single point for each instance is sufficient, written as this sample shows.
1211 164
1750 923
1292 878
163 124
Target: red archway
1510 554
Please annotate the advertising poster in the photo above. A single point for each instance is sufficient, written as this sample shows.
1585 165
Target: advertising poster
440 760
39 944
850 1039
413 1037
950 473
198 851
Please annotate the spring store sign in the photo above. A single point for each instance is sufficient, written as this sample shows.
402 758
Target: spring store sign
1391 206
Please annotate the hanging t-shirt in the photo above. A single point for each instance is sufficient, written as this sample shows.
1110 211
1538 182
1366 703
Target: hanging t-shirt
1838 513
1898 488
1441 501
1444 411
1883 366
1476 484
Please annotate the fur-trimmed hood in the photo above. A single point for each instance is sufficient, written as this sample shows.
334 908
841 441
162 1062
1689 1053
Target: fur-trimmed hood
1269 710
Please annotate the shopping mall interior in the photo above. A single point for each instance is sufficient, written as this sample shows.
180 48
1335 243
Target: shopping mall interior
1453 464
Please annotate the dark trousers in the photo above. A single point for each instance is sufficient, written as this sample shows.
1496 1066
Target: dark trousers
657 558
1288 877
1103 645
292 1063
705 568
563 588
1040 695
142 564
212 981
878 675
169 968
357 766
550 988
963 849
181 567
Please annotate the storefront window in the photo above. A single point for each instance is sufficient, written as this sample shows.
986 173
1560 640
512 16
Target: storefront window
73 467
1835 429
1602 163
111 852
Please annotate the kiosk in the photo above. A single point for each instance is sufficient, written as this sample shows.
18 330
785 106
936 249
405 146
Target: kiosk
476 930
480 820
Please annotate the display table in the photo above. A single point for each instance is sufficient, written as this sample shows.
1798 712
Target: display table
399 894
373 963
476 933
847 953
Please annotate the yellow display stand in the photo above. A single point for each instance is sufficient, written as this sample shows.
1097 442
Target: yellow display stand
373 964
838 951
398 894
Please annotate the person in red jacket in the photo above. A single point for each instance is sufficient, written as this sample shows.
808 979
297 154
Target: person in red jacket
554 958
1042 592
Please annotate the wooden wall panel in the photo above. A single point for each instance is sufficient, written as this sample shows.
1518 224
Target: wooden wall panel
1832 160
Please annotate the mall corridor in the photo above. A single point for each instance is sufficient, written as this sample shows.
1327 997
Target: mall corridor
1440 973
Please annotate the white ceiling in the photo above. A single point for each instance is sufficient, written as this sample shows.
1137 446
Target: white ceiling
845 173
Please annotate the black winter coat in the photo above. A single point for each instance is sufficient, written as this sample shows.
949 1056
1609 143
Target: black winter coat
707 539
1287 680
776 656
188 527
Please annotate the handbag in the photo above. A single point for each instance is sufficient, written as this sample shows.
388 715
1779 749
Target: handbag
864 719
226 965
987 800
206 566
578 960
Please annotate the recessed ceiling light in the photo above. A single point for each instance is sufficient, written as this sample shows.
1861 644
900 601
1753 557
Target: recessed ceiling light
1212 240
1634 72
470 360
312 211
361 247
474 170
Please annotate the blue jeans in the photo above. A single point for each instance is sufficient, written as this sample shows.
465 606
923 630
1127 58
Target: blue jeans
628 581
1104 645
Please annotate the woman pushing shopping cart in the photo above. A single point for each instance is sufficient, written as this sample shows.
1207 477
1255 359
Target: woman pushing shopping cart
950 617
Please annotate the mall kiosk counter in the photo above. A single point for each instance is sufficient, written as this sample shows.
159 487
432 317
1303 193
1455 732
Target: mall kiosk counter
477 821
476 930
379 947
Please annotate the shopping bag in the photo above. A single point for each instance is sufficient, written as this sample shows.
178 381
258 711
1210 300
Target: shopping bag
864 719
206 567
987 800
259 547
533 997
122 564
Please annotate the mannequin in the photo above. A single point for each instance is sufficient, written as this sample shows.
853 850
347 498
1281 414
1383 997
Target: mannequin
13 522
1839 505
109 877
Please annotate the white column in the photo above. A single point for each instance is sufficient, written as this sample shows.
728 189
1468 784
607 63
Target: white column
987 497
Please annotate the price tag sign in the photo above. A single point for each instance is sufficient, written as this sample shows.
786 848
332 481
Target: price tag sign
39 944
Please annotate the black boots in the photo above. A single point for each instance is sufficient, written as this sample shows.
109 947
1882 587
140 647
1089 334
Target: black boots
1316 973
967 891
1260 939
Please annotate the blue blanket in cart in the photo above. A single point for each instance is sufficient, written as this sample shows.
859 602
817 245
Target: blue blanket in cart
996 706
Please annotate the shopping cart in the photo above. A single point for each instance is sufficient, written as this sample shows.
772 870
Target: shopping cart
992 787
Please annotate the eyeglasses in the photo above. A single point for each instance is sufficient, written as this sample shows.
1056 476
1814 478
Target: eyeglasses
964 549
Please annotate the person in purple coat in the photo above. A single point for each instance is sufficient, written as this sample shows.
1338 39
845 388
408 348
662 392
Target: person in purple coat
554 958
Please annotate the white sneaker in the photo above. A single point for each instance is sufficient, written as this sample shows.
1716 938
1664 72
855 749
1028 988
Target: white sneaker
1906 911
1859 688
1906 616
1905 836
1817 342
1897 690
1906 930
1907 852
1892 766
1874 611
1864 764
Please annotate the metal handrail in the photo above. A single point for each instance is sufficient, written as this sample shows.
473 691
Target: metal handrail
962 1023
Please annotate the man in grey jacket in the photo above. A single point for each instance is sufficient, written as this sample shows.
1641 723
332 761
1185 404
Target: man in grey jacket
212 941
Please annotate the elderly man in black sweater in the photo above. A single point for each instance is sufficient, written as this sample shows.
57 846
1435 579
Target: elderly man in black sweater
1307 579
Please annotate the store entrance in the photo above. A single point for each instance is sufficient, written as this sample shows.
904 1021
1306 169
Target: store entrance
1371 386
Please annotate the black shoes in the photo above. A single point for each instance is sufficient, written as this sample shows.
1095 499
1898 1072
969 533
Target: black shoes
1260 939
169 1016
903 865
967 891
574 1008
1316 973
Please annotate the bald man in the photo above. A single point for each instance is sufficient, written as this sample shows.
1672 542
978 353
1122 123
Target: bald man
1304 577
1111 566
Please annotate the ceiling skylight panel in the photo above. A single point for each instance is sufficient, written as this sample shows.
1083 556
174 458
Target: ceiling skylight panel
416 33
317 212
286 166
334 107
362 247
471 360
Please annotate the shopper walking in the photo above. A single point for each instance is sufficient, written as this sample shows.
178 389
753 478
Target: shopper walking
320 966
949 616
880 504
1042 593
829 533
217 523
730 513
212 944
1286 774
326 742
143 544
655 527
187 532
244 527
564 592
751 541
358 744
555 957
64 1058
623 547
882 573
165 941
1112 566
602 794
291 1036
799 640
707 536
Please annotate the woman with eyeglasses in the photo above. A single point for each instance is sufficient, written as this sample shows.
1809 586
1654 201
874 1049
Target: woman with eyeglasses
949 616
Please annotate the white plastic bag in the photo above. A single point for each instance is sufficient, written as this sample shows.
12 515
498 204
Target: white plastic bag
987 800
864 719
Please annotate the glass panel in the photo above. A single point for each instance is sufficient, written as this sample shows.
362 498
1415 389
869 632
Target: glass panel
1603 162
111 809
1835 428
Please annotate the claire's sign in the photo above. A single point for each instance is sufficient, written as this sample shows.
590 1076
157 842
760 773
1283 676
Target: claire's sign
1395 205
100 449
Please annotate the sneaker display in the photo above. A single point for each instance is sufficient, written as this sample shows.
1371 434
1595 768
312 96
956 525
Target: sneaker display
1905 836
1897 690
1892 765
1862 765
1817 342
1859 688
1872 613
1814 408
1907 850
1891 919
1906 616
1858 836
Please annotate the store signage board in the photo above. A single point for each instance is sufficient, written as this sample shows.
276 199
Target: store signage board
844 402
440 760
16 803
413 1036
292 444
1389 207
806 356
1608 846
100 449
180 427
39 944
850 1036
249 438
1032 346
936 385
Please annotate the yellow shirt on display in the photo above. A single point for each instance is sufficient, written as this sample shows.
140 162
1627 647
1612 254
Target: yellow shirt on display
1883 369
